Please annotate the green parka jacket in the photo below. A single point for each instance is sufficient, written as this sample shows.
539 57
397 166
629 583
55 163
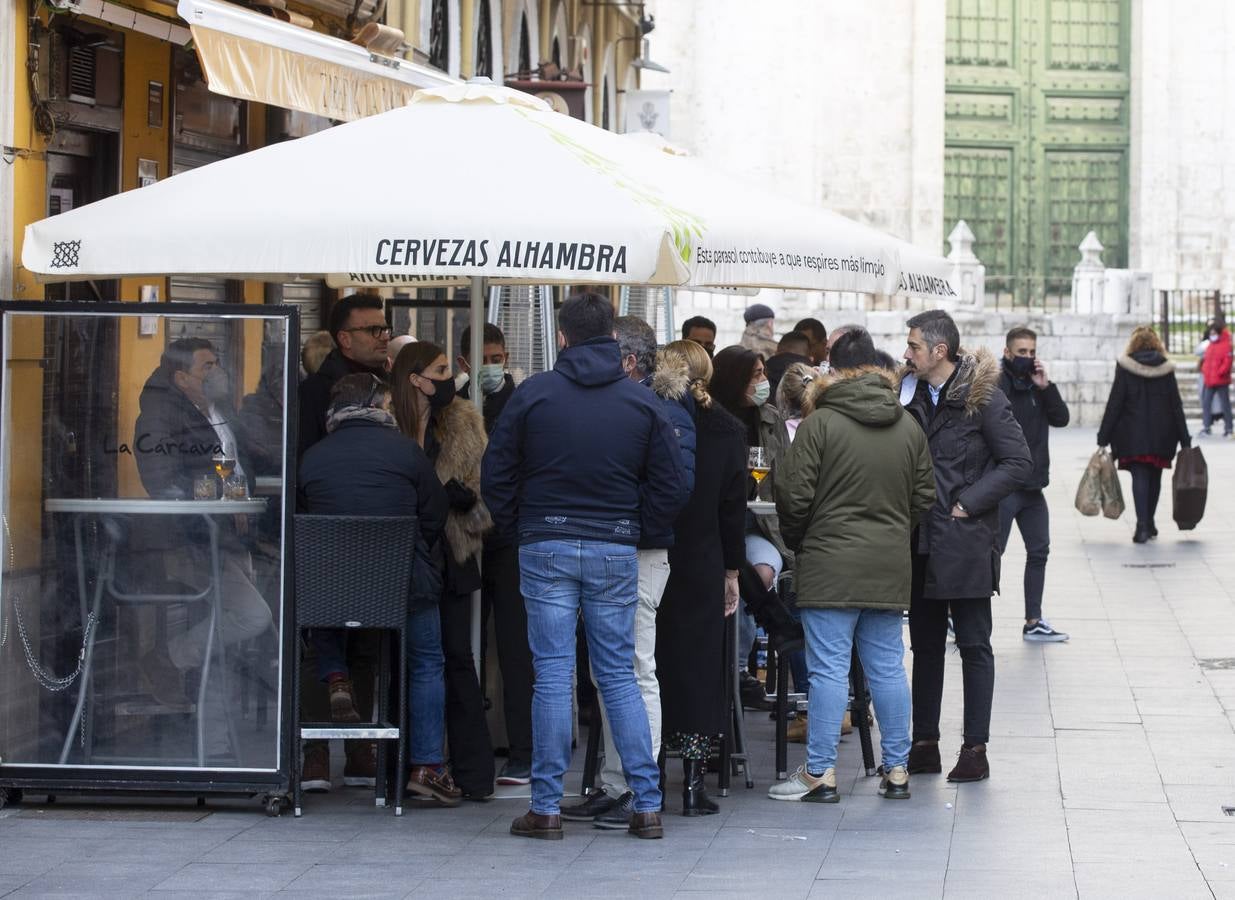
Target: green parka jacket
851 487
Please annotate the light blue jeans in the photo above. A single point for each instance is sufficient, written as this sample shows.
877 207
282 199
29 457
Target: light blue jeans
559 578
830 636
426 696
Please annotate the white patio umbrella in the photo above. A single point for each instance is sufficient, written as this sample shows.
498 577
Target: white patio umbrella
473 181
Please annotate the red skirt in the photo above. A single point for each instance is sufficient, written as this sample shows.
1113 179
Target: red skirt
1125 462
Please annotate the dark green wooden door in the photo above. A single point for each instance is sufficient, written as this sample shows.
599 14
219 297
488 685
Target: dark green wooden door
1036 139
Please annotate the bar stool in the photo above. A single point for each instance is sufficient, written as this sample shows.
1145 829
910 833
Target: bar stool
356 572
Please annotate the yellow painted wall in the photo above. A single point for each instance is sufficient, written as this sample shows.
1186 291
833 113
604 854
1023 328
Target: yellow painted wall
145 60
24 374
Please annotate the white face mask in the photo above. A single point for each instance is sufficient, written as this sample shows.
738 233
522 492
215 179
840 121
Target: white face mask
763 390
492 377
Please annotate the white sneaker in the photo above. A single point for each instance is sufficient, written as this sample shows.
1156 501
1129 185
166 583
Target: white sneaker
806 787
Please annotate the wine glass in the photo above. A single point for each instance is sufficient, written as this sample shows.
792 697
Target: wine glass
224 465
757 462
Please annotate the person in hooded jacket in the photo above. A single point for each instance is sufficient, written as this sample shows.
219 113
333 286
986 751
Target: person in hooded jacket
185 419
1216 374
452 432
708 549
637 344
980 457
853 484
582 463
1038 407
1144 423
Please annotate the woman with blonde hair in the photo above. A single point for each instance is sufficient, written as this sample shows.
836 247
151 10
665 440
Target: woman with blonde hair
452 433
708 547
1144 423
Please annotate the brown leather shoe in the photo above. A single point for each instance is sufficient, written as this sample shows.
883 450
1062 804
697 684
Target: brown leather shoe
342 701
924 758
534 825
971 765
434 784
646 825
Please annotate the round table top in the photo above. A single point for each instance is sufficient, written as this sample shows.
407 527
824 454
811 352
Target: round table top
146 506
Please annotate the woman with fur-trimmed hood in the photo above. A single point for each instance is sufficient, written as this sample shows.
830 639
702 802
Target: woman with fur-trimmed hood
1144 423
452 432
852 485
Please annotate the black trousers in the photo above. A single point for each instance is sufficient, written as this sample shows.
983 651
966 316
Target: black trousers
928 636
1029 511
504 601
1146 489
467 732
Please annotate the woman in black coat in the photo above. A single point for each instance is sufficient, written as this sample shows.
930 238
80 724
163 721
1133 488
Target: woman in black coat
1144 423
708 547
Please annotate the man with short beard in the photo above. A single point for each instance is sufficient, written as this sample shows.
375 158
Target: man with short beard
980 457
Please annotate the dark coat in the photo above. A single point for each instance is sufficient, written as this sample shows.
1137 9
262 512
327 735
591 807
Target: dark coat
854 482
173 441
261 423
1144 413
671 385
980 457
315 396
583 452
708 539
368 469
494 403
1037 411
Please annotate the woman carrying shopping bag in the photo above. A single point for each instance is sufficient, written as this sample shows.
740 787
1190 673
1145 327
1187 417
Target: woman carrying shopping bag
1144 423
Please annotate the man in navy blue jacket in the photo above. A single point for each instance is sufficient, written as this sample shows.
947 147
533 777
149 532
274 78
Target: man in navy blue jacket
610 807
581 463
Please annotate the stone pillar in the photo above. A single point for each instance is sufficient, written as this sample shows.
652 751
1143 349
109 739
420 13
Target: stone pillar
968 273
1089 277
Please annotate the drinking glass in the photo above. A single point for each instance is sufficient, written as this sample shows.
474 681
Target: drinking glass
224 465
235 488
757 462
205 487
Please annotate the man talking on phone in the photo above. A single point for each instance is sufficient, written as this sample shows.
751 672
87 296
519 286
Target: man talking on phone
1037 407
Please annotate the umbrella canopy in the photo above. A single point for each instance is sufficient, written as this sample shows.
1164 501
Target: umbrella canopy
474 181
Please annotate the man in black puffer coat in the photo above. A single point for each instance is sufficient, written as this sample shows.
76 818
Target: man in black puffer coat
980 457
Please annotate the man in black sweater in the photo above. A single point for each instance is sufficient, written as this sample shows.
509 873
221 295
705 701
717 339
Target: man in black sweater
1038 407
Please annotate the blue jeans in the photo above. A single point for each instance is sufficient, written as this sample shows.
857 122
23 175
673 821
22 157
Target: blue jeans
426 695
830 636
559 578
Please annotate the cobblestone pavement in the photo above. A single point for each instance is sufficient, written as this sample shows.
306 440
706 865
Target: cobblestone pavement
1112 757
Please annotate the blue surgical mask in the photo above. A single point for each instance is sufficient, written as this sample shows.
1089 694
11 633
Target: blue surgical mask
763 390
492 377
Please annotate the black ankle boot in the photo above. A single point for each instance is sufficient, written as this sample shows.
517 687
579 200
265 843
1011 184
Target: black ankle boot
695 801
1142 534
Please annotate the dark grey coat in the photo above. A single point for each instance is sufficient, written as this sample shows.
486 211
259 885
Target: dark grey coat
980 457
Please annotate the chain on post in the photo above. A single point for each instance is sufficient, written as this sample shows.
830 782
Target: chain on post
42 676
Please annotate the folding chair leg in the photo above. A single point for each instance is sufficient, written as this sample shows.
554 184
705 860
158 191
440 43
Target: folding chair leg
591 759
859 711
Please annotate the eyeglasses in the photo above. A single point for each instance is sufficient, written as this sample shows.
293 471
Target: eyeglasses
377 332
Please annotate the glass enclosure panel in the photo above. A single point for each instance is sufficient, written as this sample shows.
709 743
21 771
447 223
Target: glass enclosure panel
142 484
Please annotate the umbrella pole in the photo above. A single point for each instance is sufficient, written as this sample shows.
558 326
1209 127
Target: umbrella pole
478 298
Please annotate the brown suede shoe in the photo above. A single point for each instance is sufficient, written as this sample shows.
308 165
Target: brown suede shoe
534 825
342 701
971 765
646 826
434 784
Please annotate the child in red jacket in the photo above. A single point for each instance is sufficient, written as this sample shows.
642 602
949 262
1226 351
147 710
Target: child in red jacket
1216 373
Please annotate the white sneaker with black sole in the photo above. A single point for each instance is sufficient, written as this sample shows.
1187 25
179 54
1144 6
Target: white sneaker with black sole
1042 632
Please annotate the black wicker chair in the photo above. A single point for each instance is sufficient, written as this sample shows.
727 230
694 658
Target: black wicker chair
355 572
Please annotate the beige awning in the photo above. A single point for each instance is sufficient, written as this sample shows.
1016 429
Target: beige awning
250 56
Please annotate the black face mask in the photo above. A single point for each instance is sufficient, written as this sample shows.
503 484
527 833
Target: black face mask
443 393
1021 366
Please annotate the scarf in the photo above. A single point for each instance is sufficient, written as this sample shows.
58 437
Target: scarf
340 414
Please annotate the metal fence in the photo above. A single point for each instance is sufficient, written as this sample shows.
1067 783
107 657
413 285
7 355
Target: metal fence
1182 315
